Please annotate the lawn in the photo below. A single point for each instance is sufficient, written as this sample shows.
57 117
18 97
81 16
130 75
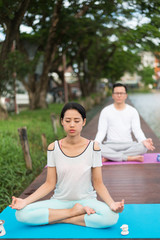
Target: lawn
14 177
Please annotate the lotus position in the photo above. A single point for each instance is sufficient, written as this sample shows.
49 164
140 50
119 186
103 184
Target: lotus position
74 172
116 123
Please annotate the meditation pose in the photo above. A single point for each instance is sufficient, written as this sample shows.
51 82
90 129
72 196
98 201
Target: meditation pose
74 172
116 123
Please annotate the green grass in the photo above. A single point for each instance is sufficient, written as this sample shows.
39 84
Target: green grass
14 177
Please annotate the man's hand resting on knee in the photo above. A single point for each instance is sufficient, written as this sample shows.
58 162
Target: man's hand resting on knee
148 143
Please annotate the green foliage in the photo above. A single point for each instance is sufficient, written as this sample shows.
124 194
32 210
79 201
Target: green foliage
8 8
147 75
18 63
98 36
122 61
13 172
14 175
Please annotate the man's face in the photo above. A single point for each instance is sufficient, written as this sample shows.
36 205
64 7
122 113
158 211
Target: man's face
119 95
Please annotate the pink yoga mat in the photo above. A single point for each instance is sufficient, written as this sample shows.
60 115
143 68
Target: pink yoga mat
148 158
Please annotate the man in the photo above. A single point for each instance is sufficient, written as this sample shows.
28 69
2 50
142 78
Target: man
116 123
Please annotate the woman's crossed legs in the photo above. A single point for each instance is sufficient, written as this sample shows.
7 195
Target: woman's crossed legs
74 212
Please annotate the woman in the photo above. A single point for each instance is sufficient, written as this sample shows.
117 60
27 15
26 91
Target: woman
74 172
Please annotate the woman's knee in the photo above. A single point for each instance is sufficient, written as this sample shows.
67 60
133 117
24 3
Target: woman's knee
109 219
23 214
20 216
114 218
33 216
104 217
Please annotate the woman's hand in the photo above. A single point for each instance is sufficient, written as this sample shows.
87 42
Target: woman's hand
18 203
117 206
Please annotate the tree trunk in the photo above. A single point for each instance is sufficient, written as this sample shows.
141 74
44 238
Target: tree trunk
50 52
11 35
12 29
82 79
37 99
33 100
42 99
3 113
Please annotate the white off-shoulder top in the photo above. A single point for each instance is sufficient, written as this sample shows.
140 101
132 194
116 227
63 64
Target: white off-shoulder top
74 180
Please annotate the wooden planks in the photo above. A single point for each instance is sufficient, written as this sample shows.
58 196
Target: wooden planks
134 183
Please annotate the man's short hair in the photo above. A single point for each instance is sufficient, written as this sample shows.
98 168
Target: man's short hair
119 85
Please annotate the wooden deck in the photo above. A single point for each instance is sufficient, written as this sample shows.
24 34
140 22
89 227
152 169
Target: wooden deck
134 183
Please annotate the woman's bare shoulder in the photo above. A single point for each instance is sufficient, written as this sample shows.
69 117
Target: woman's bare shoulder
96 146
51 146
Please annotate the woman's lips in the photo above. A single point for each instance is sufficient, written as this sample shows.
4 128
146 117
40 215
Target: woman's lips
72 131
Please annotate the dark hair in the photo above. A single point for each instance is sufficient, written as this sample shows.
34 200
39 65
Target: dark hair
76 106
119 85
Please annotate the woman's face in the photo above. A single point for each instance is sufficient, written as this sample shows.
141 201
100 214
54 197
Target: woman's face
73 122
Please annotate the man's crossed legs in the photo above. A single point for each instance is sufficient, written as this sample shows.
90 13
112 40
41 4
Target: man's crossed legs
127 151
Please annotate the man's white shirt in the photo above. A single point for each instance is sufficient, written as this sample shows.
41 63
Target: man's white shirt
117 125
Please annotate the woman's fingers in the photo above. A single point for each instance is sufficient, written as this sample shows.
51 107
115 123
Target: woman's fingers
14 200
118 206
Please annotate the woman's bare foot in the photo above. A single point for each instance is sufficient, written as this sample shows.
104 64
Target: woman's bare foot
137 158
77 215
61 215
89 210
104 159
77 209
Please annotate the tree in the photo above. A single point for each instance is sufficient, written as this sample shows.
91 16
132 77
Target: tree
114 44
147 74
37 85
95 36
11 16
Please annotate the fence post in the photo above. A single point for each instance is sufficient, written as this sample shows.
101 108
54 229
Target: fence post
53 119
25 147
44 142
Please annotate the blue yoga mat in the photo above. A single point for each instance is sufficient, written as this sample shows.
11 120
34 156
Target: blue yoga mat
143 221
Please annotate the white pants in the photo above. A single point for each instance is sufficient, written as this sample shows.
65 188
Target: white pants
119 151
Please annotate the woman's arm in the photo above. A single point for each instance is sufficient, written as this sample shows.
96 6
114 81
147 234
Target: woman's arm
103 192
100 187
43 190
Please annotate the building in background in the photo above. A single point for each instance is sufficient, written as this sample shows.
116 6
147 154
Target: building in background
157 69
148 59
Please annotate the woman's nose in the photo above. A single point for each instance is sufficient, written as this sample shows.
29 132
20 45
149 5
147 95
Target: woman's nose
72 123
